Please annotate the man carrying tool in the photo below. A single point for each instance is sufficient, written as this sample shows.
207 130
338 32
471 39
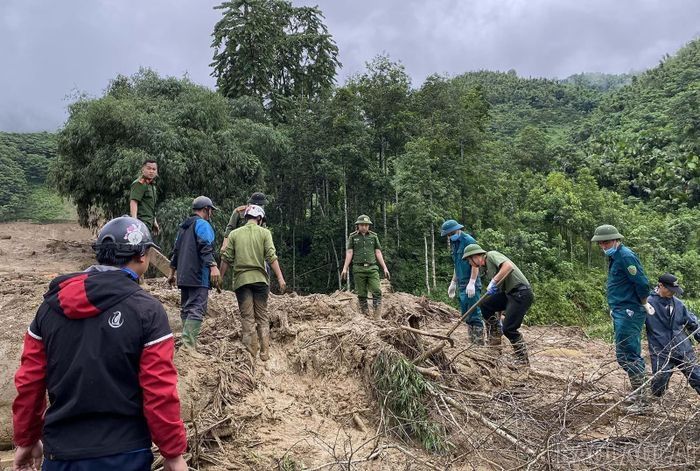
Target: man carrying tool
102 348
143 197
237 218
194 269
507 291
249 247
465 278
669 329
627 291
364 251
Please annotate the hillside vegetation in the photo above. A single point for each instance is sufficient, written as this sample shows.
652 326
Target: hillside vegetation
530 166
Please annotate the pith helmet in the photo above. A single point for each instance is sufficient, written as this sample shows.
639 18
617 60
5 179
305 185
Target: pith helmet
202 202
472 249
450 226
606 232
363 219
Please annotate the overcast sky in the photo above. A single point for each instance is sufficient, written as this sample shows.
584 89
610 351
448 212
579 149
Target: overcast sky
50 50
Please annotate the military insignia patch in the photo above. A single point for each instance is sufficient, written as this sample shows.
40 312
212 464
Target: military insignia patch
632 270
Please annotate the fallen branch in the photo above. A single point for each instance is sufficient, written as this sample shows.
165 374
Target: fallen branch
484 420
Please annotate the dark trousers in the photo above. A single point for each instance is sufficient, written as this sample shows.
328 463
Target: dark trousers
134 461
663 365
193 303
516 303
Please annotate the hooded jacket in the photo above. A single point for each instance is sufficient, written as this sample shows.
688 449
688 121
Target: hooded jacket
103 349
193 253
670 328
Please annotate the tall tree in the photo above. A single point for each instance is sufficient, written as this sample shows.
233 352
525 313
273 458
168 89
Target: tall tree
273 51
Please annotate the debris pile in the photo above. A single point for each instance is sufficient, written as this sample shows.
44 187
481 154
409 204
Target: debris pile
342 391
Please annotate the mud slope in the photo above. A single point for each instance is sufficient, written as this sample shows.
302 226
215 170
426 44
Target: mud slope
322 401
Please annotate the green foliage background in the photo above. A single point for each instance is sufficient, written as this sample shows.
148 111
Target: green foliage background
530 166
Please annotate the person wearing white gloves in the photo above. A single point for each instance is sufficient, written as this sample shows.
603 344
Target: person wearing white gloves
507 291
465 279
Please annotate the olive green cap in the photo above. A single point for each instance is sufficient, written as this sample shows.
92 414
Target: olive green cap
472 249
363 219
606 232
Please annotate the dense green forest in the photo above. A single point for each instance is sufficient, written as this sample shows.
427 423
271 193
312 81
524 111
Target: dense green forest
530 166
24 164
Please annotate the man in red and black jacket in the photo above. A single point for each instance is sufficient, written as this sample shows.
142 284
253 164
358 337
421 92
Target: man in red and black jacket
103 349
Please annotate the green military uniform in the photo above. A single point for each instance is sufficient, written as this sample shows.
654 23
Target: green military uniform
146 195
365 270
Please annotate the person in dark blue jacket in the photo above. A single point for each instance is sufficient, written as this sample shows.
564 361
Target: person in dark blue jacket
627 292
194 268
465 279
669 329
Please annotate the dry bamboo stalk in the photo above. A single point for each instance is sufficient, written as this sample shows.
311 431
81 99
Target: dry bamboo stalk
431 372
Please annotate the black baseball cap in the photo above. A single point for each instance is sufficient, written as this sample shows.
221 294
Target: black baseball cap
670 282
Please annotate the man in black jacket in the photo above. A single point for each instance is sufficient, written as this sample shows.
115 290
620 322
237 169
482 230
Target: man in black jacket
669 327
193 267
102 348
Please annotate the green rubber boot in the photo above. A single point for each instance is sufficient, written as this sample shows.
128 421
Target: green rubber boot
190 332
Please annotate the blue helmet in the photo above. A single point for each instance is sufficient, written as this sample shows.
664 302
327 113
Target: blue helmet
450 226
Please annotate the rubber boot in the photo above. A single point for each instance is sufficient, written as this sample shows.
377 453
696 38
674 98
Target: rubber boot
362 303
250 342
476 334
377 308
494 335
520 351
190 332
638 400
264 338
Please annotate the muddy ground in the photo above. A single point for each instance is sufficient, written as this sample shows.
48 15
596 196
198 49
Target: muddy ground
316 405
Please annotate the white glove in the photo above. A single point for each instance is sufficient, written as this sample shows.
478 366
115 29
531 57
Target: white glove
650 309
452 290
471 289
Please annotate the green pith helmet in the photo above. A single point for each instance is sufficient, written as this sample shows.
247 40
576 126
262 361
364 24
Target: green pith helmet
363 219
606 232
472 249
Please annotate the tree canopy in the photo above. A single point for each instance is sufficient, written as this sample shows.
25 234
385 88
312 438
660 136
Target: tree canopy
530 166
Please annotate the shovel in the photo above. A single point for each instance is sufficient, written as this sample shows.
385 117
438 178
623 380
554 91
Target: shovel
440 345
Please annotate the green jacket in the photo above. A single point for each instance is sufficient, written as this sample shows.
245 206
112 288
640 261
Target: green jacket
248 249
363 247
